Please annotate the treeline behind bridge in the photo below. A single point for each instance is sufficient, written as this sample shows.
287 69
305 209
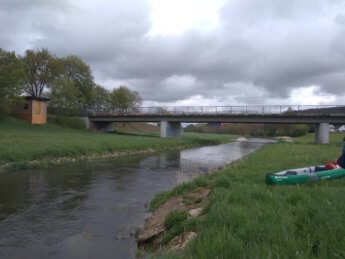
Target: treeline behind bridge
255 130
67 81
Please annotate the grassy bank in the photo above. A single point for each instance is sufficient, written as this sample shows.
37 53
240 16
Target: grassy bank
21 142
245 218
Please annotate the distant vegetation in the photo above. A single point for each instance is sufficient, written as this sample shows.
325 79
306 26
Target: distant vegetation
260 130
67 81
66 121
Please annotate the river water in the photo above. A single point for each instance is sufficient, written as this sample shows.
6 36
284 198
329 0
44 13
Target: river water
92 209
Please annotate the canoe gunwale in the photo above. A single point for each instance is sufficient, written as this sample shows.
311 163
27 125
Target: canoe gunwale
273 179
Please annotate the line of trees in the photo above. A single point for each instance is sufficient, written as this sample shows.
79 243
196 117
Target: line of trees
67 81
259 130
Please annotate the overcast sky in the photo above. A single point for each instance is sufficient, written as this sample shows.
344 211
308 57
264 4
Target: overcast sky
194 52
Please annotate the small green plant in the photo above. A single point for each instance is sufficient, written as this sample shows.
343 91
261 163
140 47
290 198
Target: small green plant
174 218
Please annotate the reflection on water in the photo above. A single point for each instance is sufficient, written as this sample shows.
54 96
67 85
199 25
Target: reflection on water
92 209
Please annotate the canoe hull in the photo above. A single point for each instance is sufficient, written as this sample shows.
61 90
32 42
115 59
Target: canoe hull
275 179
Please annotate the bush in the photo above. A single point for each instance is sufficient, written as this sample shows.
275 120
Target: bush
298 130
67 121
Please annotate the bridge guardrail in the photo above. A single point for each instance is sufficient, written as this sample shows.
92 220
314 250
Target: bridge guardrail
286 110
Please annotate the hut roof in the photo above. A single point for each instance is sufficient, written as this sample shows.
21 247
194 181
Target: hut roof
28 98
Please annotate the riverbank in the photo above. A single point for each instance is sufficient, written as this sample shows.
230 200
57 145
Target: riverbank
24 146
243 217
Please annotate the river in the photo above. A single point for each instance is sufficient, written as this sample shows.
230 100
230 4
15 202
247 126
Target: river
92 209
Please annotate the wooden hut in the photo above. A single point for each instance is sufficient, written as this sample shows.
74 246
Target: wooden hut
33 110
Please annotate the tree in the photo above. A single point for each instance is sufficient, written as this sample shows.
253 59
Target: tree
122 98
42 68
100 97
77 71
74 88
12 77
64 96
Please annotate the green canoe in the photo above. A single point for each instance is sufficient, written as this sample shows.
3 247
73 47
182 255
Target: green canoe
303 175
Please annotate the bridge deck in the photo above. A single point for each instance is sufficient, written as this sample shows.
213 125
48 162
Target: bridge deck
234 114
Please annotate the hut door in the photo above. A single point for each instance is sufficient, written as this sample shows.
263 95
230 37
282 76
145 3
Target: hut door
38 107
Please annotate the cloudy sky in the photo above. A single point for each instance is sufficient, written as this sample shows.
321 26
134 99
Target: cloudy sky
194 52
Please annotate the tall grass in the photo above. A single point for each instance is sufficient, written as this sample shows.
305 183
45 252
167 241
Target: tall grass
20 141
245 218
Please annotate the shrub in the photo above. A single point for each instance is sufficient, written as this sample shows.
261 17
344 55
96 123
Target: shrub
298 130
67 121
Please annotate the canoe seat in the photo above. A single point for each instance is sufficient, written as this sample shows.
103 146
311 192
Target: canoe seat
290 173
320 168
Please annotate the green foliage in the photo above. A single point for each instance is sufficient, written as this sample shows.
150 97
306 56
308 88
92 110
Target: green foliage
12 77
298 130
181 227
245 218
123 98
64 97
74 89
67 121
101 97
159 199
42 68
78 72
174 218
202 181
68 79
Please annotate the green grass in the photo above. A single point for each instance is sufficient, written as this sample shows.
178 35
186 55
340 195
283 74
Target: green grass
245 218
174 218
20 141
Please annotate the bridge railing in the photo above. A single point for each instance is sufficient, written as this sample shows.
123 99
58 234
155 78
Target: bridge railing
223 110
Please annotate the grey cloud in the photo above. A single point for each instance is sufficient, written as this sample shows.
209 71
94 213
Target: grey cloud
24 5
340 19
277 61
269 47
20 20
105 34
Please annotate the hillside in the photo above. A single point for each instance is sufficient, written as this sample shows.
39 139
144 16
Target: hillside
136 127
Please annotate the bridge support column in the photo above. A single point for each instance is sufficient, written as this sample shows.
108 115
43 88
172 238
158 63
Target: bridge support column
171 129
322 133
88 123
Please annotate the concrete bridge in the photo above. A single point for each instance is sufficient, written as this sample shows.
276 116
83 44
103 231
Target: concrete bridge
170 118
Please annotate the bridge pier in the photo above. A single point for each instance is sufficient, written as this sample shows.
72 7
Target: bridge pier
104 126
171 129
322 133
88 123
